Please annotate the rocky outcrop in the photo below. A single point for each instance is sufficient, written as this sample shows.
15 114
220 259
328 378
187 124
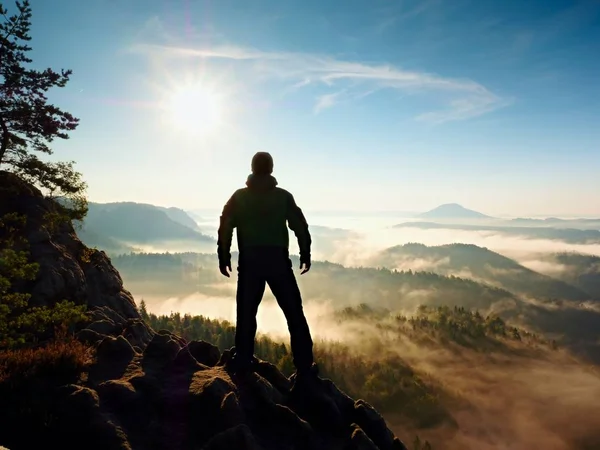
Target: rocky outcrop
164 398
67 268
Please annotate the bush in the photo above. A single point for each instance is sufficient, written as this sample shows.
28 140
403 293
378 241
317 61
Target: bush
29 379
58 362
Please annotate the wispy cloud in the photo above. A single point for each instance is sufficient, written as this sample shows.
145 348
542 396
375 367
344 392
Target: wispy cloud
459 98
326 101
398 13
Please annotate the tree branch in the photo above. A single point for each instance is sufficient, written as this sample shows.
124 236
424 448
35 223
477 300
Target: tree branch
5 139
10 32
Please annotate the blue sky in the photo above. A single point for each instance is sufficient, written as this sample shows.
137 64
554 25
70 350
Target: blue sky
365 105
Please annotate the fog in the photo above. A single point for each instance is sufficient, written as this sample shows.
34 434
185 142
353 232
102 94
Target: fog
359 249
355 240
537 398
270 318
517 401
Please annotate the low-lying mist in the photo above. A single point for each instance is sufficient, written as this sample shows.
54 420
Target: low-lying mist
270 318
360 248
526 397
529 396
355 241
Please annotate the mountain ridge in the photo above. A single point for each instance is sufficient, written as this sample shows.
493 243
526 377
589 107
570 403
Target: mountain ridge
452 211
122 227
482 263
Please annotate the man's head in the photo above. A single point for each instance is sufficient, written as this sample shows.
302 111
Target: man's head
262 164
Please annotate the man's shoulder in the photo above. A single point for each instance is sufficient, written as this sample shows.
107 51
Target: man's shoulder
280 192
283 192
239 192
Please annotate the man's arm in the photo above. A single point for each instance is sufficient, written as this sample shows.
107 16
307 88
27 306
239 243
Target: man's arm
226 225
297 223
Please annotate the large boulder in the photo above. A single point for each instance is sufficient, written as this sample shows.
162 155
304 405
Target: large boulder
374 425
113 356
79 422
204 352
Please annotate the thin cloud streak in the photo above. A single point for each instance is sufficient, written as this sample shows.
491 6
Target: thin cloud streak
463 98
326 101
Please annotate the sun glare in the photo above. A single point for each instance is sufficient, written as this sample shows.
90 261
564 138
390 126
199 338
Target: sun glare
194 109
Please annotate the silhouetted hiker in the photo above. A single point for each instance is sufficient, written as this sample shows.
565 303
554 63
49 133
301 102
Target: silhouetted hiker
260 212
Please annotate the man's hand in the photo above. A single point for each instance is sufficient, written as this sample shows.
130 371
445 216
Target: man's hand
304 266
225 269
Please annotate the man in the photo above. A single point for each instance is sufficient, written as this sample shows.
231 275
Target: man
260 212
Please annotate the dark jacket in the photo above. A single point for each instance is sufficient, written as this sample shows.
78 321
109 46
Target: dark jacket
261 212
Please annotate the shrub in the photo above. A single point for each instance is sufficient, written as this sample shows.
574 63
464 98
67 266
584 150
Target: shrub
20 323
60 361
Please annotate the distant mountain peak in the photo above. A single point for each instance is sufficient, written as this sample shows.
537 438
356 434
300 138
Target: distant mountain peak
453 211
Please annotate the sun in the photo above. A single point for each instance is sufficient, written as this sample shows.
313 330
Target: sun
194 108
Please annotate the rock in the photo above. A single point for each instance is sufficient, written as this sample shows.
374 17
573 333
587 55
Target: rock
261 391
238 438
137 333
115 349
113 358
106 313
79 397
373 424
399 445
208 391
314 404
360 441
67 268
291 427
225 357
119 393
274 376
231 410
204 352
148 386
80 422
182 342
344 403
120 399
88 336
160 352
184 361
210 388
105 327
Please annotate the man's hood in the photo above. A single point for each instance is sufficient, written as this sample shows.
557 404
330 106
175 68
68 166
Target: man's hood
261 182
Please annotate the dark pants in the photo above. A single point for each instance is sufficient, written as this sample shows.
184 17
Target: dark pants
257 267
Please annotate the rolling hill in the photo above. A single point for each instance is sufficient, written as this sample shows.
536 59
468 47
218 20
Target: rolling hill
123 227
570 235
180 216
481 264
578 269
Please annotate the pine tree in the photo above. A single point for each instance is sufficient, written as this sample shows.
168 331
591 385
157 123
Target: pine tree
28 123
144 311
20 323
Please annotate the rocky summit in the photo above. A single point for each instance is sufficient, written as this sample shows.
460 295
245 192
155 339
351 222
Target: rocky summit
147 389
175 394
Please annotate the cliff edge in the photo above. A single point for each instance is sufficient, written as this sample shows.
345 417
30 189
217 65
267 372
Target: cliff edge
142 389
